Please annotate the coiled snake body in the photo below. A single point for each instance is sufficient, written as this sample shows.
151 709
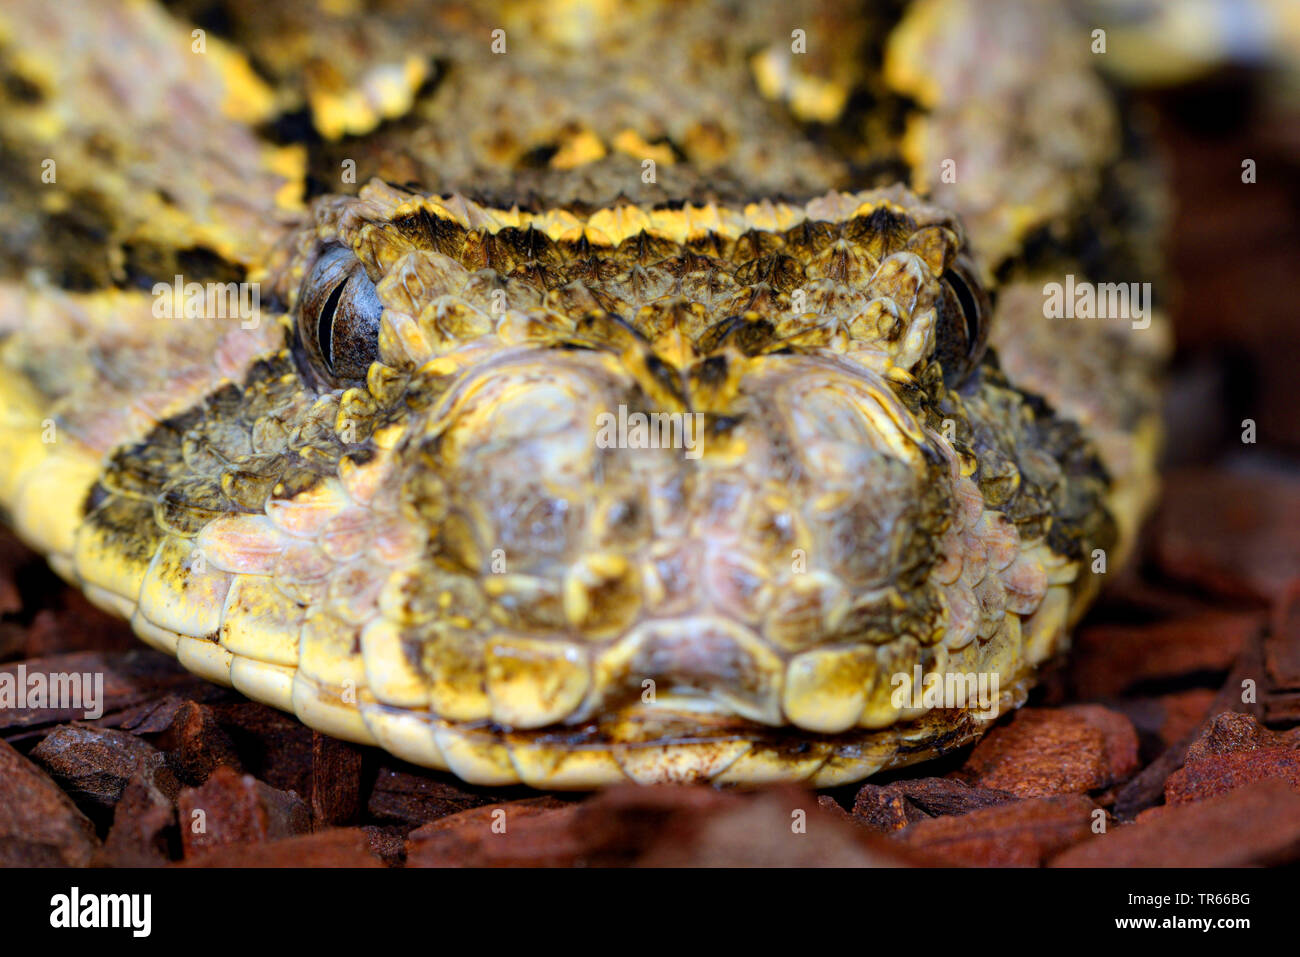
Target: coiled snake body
399 489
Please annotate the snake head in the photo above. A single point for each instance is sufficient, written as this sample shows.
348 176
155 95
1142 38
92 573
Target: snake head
707 456
567 500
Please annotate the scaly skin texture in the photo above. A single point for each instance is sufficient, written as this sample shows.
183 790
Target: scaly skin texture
390 508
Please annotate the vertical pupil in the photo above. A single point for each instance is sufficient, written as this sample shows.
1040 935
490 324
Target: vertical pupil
969 307
325 325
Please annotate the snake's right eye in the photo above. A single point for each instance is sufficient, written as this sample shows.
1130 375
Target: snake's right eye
963 330
338 318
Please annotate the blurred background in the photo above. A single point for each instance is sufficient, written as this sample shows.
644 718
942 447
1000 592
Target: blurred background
1221 84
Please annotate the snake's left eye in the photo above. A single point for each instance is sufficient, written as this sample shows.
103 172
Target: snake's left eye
963 327
338 318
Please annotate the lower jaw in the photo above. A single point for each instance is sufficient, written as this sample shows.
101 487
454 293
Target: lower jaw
673 742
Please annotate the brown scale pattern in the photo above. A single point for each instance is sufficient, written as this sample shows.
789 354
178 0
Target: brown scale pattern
601 545
865 501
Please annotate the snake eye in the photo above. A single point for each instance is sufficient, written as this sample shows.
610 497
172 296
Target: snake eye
338 317
963 328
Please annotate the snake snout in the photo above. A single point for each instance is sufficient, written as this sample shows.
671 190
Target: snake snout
589 551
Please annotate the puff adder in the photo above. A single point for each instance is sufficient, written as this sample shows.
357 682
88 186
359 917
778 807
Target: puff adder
379 497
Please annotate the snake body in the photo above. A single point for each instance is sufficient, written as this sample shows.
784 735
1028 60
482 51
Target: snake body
383 500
